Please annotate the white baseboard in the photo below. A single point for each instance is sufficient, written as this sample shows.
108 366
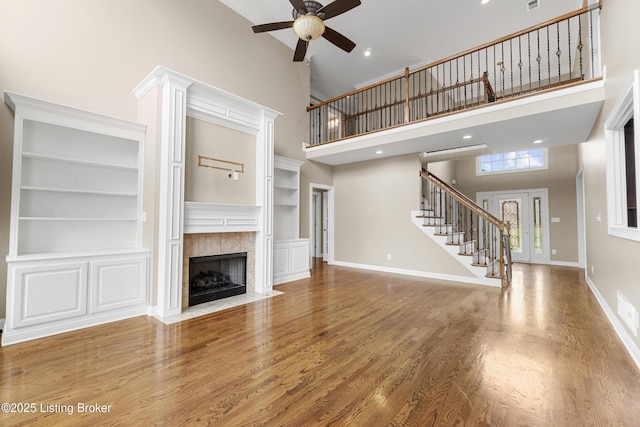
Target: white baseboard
438 276
28 333
152 310
564 264
622 332
291 277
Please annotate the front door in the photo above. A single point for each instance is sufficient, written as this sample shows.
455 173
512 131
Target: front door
527 212
514 209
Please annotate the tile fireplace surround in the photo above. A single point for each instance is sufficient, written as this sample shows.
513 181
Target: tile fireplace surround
203 244
206 244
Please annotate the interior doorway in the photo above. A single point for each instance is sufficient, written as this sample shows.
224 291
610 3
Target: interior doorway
321 222
528 213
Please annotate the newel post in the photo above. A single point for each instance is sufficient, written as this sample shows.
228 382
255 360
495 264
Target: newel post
407 108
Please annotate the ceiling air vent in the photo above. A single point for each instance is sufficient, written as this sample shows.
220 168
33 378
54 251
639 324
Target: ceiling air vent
532 4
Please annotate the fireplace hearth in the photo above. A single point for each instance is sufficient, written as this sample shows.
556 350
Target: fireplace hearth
215 277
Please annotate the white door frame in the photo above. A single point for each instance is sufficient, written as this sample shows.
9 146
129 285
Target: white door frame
545 258
316 236
582 248
330 223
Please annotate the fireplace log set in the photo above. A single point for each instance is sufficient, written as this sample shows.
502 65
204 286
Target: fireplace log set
214 277
208 280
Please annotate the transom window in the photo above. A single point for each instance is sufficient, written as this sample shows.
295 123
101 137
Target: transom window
512 161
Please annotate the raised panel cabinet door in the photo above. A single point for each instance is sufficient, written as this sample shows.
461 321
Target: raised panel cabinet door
280 260
48 293
118 283
299 257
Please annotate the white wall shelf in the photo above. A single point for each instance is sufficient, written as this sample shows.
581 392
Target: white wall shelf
290 253
75 257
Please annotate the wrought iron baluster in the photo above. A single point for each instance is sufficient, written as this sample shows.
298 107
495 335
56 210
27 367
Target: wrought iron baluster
520 61
593 59
569 48
511 63
548 58
580 46
539 60
558 52
464 79
502 67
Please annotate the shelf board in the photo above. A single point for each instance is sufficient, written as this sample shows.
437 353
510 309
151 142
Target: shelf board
79 191
76 161
286 187
41 218
288 205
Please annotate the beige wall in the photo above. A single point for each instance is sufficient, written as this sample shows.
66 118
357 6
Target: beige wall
91 54
614 260
203 184
560 179
446 170
373 202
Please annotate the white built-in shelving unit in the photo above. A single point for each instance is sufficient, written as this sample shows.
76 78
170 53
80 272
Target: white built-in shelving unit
290 253
75 257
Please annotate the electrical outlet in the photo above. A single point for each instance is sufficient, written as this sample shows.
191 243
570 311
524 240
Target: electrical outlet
389 256
593 269
553 252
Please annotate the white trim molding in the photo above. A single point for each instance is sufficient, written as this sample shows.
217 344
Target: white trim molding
627 107
417 273
183 96
220 218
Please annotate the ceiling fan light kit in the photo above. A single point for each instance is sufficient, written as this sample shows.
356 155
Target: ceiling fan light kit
308 24
308 27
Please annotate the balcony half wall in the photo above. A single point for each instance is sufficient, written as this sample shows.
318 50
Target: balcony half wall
561 116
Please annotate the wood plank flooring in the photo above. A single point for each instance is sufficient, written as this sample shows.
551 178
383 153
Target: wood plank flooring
344 348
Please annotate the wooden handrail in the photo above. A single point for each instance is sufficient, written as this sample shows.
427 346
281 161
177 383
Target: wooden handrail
462 54
484 79
513 35
462 198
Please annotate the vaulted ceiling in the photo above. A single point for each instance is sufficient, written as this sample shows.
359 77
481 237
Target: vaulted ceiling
399 34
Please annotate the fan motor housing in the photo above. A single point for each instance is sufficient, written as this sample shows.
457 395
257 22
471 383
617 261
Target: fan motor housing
312 9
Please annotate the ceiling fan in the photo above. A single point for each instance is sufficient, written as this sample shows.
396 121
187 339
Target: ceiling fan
308 24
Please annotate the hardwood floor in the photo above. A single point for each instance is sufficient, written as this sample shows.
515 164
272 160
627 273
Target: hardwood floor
344 348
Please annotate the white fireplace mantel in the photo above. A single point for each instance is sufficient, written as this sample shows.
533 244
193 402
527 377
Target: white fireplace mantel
220 218
182 96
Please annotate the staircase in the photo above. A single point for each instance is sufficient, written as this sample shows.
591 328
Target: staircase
478 239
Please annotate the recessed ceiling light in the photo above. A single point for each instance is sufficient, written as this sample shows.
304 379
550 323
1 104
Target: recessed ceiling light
484 1
367 52
467 137
538 141
379 152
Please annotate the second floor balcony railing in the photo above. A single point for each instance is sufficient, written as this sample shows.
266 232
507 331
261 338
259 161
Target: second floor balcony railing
554 54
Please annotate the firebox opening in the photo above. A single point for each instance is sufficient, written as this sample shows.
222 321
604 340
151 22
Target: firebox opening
217 276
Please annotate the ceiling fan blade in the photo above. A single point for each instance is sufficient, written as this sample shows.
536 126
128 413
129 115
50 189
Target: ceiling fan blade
338 39
301 50
299 6
272 26
336 8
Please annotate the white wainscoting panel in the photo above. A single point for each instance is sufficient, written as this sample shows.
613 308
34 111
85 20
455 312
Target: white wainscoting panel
118 283
50 292
220 218
291 260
